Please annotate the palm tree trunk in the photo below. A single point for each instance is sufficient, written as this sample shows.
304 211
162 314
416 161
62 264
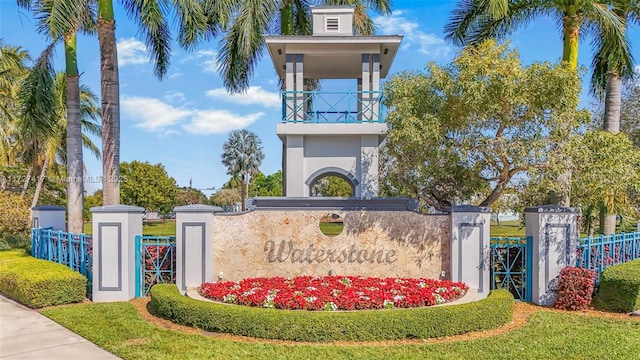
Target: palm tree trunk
607 221
27 178
110 87
611 123
36 194
572 22
243 193
74 139
286 18
612 103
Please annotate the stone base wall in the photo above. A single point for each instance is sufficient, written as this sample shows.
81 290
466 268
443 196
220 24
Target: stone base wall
289 243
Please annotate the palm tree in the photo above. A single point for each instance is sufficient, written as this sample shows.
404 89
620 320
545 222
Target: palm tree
62 19
242 155
151 17
476 20
13 70
611 65
245 22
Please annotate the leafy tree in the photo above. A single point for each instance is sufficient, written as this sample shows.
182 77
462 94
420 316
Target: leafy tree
476 125
242 155
15 216
148 186
190 196
606 170
630 114
245 23
332 186
270 185
226 197
90 201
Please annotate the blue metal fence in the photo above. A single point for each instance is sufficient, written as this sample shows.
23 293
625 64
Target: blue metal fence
155 262
511 265
599 252
72 250
332 106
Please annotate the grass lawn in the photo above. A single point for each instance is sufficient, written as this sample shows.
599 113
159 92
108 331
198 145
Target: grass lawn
166 228
331 228
512 228
118 328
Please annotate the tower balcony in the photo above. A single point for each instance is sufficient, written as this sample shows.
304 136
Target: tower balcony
326 107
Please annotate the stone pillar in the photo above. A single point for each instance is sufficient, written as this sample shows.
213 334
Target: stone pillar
554 237
194 251
470 251
49 217
114 261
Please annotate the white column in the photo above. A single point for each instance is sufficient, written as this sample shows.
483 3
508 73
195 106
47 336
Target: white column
114 262
301 106
359 100
555 237
366 87
289 84
194 246
368 167
470 251
375 86
49 217
295 167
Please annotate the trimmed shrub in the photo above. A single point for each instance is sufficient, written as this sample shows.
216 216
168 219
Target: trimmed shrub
575 288
619 288
319 326
38 283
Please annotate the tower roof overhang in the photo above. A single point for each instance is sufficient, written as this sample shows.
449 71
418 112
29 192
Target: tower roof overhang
333 57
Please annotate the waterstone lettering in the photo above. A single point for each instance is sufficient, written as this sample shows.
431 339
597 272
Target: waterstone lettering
285 250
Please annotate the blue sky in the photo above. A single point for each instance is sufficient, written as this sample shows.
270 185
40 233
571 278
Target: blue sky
183 120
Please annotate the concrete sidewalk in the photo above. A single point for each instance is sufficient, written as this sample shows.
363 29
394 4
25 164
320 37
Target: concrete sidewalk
25 334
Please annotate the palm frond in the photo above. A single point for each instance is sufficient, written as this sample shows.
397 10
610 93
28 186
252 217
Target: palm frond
153 24
192 22
243 43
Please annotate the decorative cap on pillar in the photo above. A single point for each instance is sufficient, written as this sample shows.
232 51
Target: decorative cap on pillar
550 209
48 208
117 209
468 209
198 208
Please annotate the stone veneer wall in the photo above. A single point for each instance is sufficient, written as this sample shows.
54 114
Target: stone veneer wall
289 243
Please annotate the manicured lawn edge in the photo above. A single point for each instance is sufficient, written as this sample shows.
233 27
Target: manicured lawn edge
38 283
420 323
619 288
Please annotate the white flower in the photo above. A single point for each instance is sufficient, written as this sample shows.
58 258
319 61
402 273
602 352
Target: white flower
330 306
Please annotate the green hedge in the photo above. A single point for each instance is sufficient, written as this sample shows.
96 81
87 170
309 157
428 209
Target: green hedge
38 283
419 323
620 288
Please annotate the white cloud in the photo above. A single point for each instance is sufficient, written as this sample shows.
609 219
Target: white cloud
131 51
219 121
152 114
157 116
205 58
175 75
425 43
254 95
174 97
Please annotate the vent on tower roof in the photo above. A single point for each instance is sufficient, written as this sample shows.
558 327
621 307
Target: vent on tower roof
332 24
332 20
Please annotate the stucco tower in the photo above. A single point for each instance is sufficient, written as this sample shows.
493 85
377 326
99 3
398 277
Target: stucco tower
331 132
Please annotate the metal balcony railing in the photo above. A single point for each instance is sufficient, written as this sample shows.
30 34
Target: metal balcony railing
332 107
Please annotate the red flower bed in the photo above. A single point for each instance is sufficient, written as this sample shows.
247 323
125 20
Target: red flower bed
332 293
